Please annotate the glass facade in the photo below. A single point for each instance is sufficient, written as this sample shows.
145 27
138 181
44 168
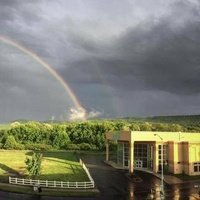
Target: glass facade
143 155
120 153
165 156
126 154
123 154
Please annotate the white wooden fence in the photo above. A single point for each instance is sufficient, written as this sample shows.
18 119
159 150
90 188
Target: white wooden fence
86 170
56 184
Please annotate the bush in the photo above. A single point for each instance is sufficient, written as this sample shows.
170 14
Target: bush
33 164
10 142
72 147
35 147
84 146
19 146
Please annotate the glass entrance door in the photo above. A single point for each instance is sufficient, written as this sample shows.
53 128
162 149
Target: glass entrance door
138 163
143 154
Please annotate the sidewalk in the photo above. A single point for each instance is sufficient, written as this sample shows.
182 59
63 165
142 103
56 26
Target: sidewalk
169 179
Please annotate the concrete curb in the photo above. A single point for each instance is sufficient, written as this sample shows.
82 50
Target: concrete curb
49 191
171 180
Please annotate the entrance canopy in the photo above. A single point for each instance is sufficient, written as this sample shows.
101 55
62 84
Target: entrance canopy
152 136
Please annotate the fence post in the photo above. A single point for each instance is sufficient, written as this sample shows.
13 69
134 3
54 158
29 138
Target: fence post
61 184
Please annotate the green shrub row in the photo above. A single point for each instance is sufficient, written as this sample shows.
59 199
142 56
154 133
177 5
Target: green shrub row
88 135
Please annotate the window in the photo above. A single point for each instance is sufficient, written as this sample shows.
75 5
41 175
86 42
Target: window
143 155
196 166
165 155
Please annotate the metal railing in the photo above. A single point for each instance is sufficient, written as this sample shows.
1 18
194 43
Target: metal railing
56 184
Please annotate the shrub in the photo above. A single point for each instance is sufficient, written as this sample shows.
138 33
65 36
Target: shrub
10 142
33 164
84 146
19 146
35 147
72 147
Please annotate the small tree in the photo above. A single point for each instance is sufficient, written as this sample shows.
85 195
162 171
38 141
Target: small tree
33 164
10 142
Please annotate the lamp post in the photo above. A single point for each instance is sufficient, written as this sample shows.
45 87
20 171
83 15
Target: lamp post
162 176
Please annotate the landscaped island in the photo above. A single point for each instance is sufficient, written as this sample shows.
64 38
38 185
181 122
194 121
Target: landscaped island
61 174
56 166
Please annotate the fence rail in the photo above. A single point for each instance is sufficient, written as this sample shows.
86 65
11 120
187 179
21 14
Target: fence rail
56 184
86 170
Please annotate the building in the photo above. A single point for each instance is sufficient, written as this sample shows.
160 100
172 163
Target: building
179 151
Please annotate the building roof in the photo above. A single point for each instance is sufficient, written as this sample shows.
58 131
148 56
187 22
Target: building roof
153 136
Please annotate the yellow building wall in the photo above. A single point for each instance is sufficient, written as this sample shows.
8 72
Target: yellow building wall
178 158
183 148
119 135
175 157
155 158
194 156
186 158
171 156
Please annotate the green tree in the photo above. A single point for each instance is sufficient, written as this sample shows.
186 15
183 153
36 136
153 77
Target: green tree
146 127
134 127
10 142
33 164
59 137
176 128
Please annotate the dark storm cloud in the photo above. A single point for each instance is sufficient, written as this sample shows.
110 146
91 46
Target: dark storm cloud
161 55
111 54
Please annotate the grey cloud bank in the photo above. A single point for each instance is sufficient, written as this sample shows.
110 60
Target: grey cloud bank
124 58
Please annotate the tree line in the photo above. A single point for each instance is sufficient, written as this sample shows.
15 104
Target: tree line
88 135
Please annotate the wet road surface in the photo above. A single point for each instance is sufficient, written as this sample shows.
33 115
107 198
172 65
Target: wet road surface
114 184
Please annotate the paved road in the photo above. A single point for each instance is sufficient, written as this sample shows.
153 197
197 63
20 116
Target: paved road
114 185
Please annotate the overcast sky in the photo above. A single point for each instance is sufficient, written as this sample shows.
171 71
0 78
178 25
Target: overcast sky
120 58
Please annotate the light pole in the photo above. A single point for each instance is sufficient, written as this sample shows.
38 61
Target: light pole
162 177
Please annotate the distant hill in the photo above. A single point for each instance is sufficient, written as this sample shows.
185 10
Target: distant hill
180 119
174 119
191 122
4 126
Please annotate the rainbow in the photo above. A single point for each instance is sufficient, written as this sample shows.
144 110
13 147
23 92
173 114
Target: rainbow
48 68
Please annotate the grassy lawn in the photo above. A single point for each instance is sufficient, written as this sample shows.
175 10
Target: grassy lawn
55 166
